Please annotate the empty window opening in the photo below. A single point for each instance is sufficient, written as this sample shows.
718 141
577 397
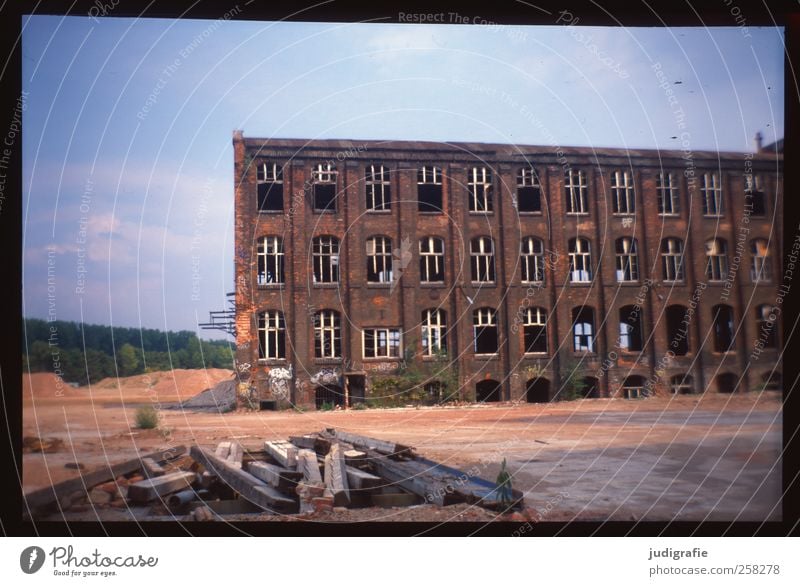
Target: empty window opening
575 192
711 195
627 259
633 387
631 338
760 267
431 260
590 387
327 334
381 343
681 384
271 335
379 259
269 181
434 332
767 326
672 259
535 330
328 395
668 194
580 260
677 329
482 256
532 260
727 382
485 331
379 193
325 259
434 392
487 391
723 328
583 329
429 189
324 186
623 200
717 263
529 190
479 186
538 391
270 260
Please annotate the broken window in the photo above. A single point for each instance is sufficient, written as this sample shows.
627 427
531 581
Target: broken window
723 328
431 260
529 190
434 332
755 196
717 264
381 343
479 186
681 384
627 260
327 334
760 268
325 259
668 194
434 391
711 195
633 387
482 256
324 186
379 259
271 335
677 330
575 191
485 331
532 260
672 259
269 182
580 260
583 329
379 195
727 382
631 338
535 330
622 193
429 189
766 326
270 260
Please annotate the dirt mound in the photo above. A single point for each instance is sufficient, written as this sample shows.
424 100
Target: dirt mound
221 397
46 385
180 383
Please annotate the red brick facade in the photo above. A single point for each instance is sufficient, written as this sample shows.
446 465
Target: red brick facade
400 303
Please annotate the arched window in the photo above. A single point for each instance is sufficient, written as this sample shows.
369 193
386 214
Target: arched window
627 260
482 256
327 334
767 326
325 259
271 335
672 259
677 329
631 338
580 260
633 387
270 260
760 267
434 331
583 334
717 264
379 259
431 260
532 260
723 328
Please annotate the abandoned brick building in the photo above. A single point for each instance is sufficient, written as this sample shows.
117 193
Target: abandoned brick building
521 272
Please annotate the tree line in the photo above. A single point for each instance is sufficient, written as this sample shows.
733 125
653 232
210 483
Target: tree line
87 353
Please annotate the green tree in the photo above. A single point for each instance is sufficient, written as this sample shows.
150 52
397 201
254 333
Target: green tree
127 360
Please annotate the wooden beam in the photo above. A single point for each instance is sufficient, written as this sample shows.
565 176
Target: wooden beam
247 485
151 489
152 468
311 442
235 455
223 450
50 497
283 452
308 465
361 480
336 476
361 442
278 477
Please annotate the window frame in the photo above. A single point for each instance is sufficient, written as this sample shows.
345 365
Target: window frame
535 317
434 329
623 193
570 187
425 257
482 259
385 254
528 256
435 180
263 259
480 179
325 174
528 179
377 177
717 263
483 321
578 337
393 338
626 261
324 330
318 258
273 178
667 191
585 257
271 321
760 264
711 195
671 261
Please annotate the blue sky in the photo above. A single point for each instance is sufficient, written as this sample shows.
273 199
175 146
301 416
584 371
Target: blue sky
148 183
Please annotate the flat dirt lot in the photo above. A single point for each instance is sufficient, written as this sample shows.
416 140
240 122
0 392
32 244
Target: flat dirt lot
713 458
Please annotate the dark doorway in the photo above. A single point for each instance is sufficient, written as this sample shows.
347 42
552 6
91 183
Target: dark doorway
727 382
538 390
356 383
591 387
487 391
330 394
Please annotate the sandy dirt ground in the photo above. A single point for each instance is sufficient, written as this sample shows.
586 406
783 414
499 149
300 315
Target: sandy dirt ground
714 458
